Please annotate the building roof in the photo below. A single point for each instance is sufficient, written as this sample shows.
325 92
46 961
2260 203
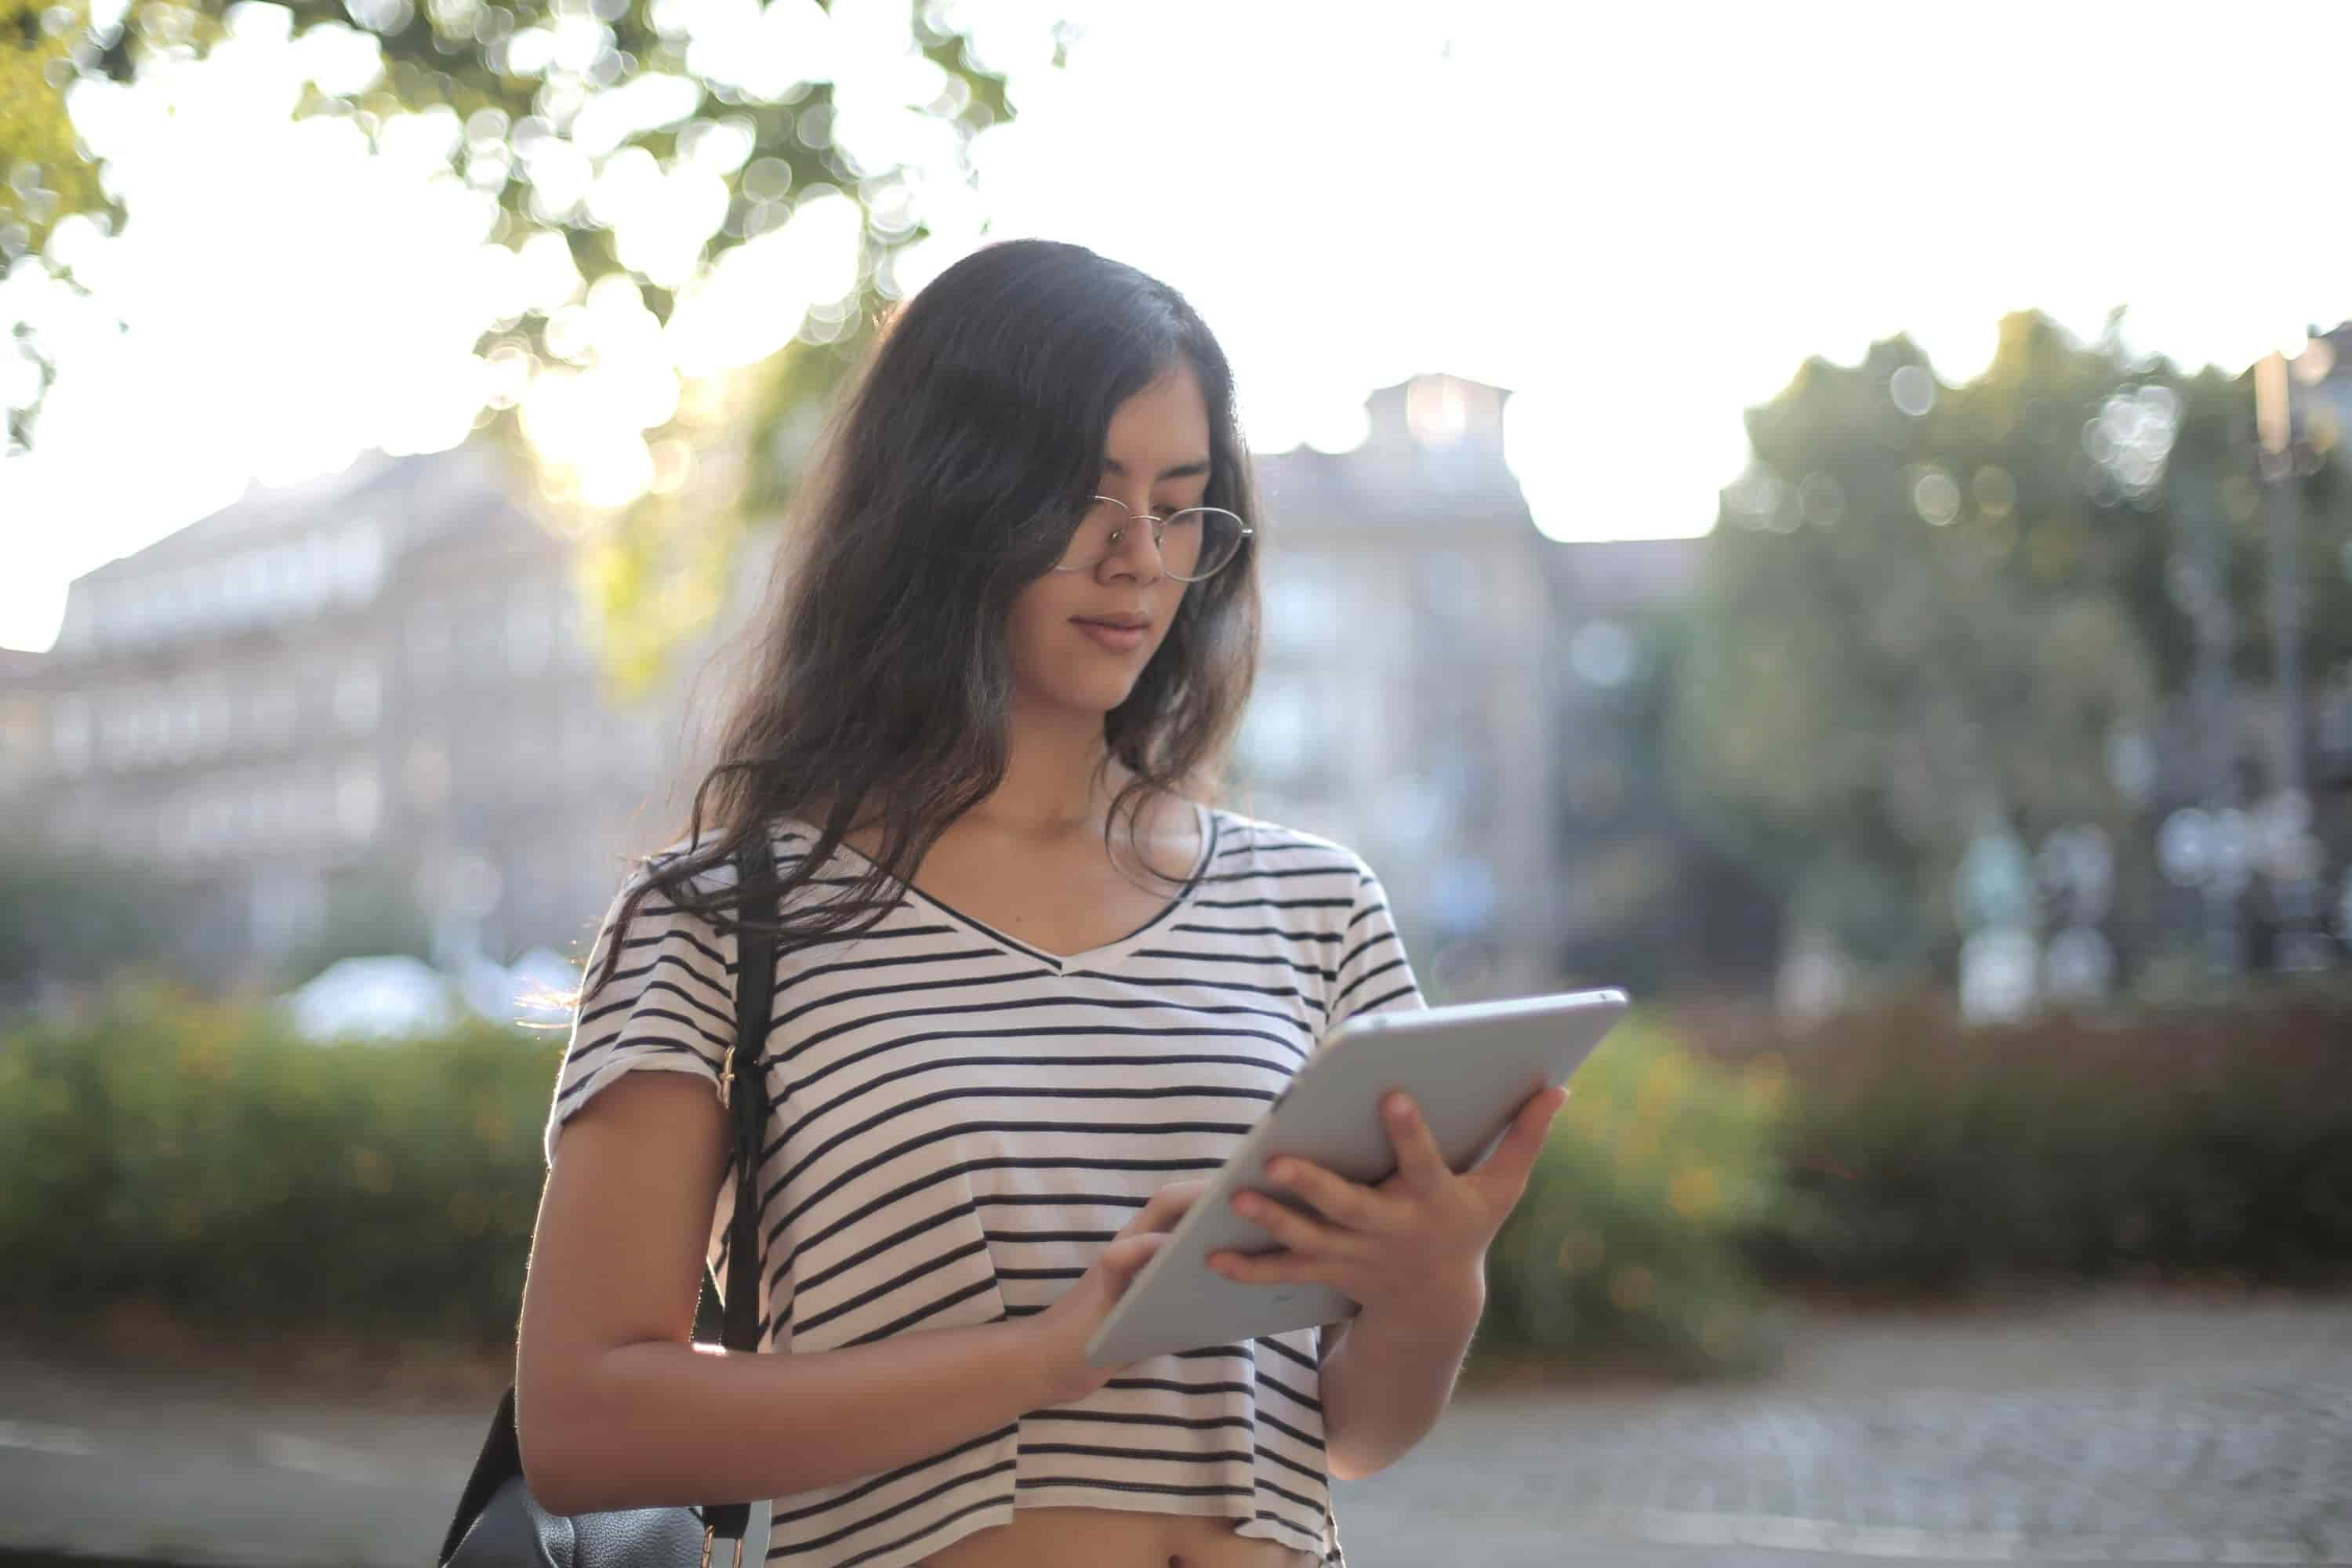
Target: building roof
1433 445
263 510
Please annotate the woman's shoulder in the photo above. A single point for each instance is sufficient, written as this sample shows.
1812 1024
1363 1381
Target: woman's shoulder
1246 840
703 867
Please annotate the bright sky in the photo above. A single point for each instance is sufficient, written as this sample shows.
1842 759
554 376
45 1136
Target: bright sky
1640 222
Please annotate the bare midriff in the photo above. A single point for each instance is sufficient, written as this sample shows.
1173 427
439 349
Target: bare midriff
1116 1538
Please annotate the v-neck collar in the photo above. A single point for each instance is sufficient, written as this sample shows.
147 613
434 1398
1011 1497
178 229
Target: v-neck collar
1091 958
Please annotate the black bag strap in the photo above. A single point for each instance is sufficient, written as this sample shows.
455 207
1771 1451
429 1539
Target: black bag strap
743 1089
500 1458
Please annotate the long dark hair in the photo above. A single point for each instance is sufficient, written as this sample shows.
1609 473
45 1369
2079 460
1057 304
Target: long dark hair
878 684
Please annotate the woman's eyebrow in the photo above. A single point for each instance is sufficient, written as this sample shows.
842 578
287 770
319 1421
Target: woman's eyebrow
1181 472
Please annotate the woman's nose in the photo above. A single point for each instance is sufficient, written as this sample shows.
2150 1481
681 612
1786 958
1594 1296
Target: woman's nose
1136 537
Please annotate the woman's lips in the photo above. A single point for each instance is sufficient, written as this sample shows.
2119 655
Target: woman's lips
1119 640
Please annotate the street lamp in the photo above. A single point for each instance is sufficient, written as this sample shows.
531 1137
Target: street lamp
2291 864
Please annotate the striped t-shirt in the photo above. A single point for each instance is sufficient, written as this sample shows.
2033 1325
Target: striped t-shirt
961 1121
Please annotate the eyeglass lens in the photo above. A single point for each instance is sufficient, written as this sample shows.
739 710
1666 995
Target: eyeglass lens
1193 542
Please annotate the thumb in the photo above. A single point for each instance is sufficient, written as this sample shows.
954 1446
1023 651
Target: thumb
1535 1122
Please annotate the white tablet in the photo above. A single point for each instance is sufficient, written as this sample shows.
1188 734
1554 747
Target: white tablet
1468 1069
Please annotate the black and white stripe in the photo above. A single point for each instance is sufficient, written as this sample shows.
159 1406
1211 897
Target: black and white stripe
962 1122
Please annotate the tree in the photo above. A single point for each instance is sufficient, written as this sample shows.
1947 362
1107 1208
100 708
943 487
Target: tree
1927 609
728 101
74 919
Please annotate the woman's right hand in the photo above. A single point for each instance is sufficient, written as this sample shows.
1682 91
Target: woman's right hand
1062 1330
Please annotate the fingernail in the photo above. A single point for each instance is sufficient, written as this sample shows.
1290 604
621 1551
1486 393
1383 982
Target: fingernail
1397 1107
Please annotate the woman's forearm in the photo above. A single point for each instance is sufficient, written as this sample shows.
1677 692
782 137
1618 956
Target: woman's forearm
662 1424
1385 1385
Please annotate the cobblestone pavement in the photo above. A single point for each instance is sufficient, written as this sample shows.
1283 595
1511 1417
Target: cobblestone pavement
2108 1428
2116 1427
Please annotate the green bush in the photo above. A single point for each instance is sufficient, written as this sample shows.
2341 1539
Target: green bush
2155 1140
1633 1231
203 1158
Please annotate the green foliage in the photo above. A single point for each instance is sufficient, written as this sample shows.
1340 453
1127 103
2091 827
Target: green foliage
2207 1137
200 1158
1634 1230
71 916
37 57
203 1158
1914 623
370 913
657 569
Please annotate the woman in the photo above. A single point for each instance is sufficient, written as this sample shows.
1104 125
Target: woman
1029 995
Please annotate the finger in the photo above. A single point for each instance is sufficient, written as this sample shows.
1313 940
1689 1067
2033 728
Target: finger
1301 1233
1125 1258
1276 1268
1348 1203
1166 1207
1418 1155
1523 1145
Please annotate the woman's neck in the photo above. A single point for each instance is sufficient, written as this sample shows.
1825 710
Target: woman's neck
1055 785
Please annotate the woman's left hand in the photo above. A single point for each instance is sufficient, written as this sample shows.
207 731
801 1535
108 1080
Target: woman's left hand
1411 1252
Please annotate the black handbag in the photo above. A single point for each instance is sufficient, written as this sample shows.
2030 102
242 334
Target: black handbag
499 1524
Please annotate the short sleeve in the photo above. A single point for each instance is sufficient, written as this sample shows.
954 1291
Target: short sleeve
670 1005
1374 975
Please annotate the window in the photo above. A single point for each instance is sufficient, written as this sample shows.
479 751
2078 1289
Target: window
359 563
70 734
531 631
20 733
118 730
218 722
1302 607
359 799
321 570
426 773
274 711
185 720
1437 408
359 699
282 570
1289 735
478 637
1450 592
1274 738
134 605
243 586
428 646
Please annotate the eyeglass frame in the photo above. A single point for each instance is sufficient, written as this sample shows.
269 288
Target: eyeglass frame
1160 535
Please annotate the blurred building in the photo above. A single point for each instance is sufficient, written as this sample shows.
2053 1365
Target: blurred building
370 700
378 692
1439 679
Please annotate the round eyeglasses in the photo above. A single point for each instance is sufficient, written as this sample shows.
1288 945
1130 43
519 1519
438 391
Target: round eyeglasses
1193 543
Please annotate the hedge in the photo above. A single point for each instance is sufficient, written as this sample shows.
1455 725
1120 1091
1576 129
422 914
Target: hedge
200 1157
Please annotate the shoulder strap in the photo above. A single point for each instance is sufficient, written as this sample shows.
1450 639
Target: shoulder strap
755 982
744 1086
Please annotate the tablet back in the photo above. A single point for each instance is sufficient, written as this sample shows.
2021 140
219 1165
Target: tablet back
1468 1067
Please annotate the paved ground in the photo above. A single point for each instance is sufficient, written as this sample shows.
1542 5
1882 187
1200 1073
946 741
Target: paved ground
2113 1428
2120 1427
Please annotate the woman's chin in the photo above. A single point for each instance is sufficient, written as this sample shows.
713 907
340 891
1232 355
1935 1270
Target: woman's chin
1095 698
